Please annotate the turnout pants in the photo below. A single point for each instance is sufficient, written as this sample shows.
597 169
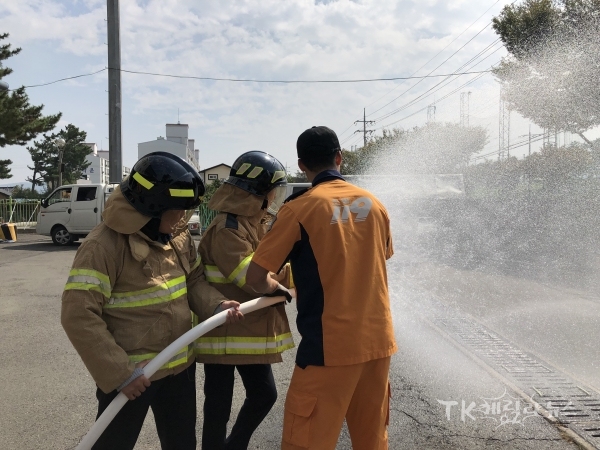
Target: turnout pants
261 394
173 403
320 397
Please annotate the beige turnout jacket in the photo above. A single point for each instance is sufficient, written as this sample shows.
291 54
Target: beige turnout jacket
128 297
226 250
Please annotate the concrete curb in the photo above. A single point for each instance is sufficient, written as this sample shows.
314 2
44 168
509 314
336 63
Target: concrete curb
25 230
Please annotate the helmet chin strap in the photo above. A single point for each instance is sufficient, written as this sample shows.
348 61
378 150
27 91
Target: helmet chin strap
265 204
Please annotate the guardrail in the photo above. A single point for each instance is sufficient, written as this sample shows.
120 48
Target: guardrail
21 212
206 215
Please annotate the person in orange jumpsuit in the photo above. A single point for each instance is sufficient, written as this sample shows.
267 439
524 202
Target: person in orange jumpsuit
337 238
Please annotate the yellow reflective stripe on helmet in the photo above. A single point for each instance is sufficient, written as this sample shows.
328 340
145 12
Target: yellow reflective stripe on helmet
140 179
243 345
88 280
243 168
180 358
238 276
182 192
278 175
255 172
214 275
162 293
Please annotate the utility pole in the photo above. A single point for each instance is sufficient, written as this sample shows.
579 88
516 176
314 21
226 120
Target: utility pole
60 144
115 141
431 113
364 130
464 108
503 130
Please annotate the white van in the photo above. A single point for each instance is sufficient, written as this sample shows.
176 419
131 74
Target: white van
292 188
71 211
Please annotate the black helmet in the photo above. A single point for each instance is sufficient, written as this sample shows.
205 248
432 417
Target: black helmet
257 172
260 174
160 181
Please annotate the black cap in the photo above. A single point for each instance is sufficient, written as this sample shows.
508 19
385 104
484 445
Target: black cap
317 141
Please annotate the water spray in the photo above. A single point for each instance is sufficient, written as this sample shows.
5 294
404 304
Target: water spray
163 357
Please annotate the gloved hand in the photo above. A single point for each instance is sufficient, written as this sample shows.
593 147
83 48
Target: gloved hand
281 291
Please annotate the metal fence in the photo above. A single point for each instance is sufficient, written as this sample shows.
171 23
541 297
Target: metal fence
21 212
206 215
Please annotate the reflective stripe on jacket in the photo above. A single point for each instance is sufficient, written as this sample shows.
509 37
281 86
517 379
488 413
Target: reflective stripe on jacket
127 298
226 249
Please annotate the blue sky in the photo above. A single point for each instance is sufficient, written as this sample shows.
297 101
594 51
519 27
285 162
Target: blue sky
260 39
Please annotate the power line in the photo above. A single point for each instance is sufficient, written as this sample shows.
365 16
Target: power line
366 80
512 147
62 79
440 52
429 75
248 80
431 59
437 101
460 48
447 81
431 92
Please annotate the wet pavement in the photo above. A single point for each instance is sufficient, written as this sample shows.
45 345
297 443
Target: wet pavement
446 395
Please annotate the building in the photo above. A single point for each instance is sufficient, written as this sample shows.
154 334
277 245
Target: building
218 172
99 170
177 143
6 192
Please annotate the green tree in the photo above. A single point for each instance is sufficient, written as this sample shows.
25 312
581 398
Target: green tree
552 71
20 192
298 177
211 188
20 122
433 148
558 167
4 169
45 155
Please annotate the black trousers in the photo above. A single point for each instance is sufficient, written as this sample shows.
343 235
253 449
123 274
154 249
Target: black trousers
173 403
261 395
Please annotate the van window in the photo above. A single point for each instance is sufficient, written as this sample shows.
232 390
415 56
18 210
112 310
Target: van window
85 194
297 189
62 195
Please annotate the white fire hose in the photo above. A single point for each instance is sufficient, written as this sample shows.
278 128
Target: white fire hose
163 357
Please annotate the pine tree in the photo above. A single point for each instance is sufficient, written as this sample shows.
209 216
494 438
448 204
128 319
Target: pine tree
45 156
20 122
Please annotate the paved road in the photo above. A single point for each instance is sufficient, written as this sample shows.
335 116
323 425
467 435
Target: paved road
48 397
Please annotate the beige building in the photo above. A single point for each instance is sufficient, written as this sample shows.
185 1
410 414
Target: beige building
218 172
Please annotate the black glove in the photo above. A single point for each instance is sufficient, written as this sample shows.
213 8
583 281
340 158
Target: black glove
281 292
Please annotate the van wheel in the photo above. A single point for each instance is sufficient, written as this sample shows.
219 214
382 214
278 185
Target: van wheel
60 236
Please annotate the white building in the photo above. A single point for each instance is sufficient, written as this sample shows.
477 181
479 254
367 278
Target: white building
99 170
177 143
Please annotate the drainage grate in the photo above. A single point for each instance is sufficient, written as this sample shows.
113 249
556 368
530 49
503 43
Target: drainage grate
573 404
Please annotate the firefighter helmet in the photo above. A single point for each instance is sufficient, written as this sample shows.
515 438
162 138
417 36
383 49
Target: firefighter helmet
161 181
259 173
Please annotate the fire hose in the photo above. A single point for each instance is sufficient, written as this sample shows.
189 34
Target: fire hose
163 357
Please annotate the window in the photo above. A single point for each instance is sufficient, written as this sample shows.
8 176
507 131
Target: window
213 176
85 194
62 195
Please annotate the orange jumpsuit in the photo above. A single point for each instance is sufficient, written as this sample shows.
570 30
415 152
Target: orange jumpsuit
337 238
